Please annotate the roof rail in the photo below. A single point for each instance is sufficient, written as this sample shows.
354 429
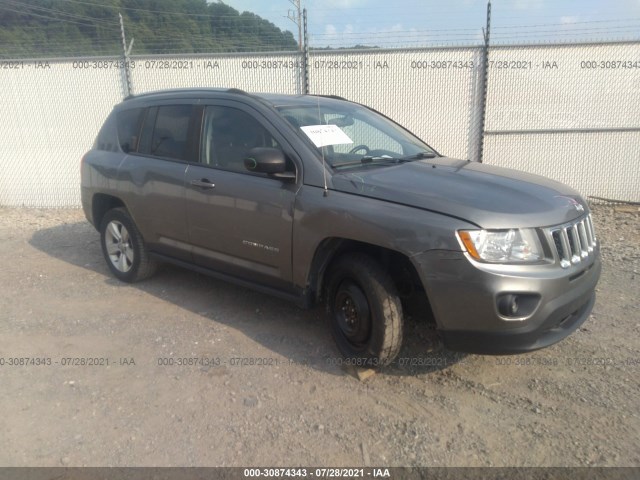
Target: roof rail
185 90
237 90
335 97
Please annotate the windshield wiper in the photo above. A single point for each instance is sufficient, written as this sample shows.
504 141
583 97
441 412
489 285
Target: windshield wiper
418 156
366 160
372 159
386 160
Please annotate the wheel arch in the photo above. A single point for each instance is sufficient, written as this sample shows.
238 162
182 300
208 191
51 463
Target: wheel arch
398 265
101 204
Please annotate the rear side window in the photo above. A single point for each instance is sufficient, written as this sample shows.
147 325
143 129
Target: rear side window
171 131
129 129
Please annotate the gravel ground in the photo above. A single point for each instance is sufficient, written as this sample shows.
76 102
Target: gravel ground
573 404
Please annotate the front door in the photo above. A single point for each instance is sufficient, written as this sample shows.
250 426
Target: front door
240 222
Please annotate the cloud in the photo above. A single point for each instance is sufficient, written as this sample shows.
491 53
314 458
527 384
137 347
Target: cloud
330 30
354 34
569 19
528 4
332 33
632 6
344 4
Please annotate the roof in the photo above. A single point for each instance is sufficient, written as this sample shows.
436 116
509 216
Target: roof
275 99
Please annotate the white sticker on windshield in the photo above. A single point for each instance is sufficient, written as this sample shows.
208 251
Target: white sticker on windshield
322 135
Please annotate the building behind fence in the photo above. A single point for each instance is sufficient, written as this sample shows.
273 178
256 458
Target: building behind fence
568 112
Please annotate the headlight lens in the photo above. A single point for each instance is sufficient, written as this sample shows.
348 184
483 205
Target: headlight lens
502 246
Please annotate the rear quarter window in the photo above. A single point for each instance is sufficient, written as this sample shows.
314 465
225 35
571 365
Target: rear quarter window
107 139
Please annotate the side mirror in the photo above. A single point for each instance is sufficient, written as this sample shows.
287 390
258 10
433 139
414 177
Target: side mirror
268 160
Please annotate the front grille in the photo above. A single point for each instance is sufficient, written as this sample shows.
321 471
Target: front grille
574 242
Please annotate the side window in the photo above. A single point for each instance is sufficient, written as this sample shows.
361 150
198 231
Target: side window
144 146
227 136
170 133
106 139
129 129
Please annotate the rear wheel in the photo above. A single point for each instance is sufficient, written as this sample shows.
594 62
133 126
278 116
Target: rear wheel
365 311
123 247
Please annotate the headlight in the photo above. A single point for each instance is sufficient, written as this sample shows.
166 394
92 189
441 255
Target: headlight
502 246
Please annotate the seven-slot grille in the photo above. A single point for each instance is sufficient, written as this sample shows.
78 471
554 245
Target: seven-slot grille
574 242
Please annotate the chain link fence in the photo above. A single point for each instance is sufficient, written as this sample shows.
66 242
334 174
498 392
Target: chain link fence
568 112
276 72
433 92
51 112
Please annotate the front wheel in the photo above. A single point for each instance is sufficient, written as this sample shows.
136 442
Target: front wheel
364 310
123 247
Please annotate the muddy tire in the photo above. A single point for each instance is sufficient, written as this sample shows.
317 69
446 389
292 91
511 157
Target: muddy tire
364 310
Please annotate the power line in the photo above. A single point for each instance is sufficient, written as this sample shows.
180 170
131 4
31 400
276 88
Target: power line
570 23
219 41
31 14
59 12
378 32
627 28
209 15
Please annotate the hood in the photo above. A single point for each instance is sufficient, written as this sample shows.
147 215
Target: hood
488 196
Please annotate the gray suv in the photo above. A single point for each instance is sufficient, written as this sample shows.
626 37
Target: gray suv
314 198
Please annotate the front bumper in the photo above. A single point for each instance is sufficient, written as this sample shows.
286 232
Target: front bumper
464 297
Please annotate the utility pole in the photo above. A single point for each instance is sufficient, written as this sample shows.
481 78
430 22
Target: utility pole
485 81
125 57
305 57
296 17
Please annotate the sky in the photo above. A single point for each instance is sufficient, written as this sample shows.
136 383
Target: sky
339 23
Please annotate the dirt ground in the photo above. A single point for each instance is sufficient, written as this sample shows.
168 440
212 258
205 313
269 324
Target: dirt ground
267 388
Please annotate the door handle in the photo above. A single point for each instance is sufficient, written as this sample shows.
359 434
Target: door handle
204 183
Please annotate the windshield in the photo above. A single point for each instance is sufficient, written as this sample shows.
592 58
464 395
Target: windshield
350 135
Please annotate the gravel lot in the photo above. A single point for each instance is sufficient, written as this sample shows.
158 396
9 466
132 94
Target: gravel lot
574 404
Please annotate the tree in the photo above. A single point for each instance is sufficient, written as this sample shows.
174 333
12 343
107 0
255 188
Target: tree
45 28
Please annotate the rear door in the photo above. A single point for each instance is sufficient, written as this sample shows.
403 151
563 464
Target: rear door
240 222
155 173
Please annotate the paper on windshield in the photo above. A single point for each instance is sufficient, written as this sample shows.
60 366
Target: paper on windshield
322 135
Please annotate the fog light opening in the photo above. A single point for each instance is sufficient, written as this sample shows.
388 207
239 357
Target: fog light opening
514 305
517 305
508 305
